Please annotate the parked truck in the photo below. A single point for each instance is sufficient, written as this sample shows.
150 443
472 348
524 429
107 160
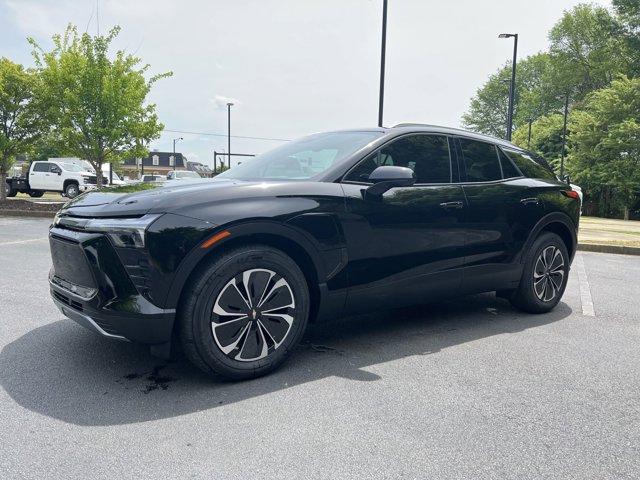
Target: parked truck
69 179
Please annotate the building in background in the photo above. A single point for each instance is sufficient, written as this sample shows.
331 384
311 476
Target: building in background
156 163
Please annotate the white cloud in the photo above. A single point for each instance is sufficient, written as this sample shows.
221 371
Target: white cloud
220 101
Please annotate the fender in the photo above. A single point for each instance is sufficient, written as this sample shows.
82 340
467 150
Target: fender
193 258
555 217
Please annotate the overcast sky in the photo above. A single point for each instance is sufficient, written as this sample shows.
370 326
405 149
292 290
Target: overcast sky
295 67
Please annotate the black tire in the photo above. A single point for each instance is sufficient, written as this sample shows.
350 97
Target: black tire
545 275
36 193
11 192
72 190
204 333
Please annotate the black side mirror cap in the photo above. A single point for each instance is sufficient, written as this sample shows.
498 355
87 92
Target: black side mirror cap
387 177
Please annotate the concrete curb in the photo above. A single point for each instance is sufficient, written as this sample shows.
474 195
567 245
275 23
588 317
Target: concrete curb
600 248
27 213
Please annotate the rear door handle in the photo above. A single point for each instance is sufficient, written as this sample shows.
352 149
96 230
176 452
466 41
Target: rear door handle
452 204
526 201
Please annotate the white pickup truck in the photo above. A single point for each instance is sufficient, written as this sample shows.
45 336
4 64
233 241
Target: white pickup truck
52 176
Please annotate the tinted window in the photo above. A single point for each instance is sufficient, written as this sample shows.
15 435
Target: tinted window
480 161
426 155
509 170
529 166
41 167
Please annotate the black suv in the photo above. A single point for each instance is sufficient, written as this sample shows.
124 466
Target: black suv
327 225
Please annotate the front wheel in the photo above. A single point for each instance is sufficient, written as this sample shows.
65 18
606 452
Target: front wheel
244 312
72 190
545 275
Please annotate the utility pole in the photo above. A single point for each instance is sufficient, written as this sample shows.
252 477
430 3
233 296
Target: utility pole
229 105
174 151
529 137
564 133
512 85
382 61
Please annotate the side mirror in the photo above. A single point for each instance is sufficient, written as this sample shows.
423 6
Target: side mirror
387 177
56 170
566 179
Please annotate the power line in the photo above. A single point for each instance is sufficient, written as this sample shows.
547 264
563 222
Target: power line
225 135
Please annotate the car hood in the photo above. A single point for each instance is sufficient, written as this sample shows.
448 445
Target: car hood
171 197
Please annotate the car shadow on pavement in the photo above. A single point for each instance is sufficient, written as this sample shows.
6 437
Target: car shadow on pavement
62 371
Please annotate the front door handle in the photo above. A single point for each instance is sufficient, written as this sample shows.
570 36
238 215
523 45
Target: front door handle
452 204
526 201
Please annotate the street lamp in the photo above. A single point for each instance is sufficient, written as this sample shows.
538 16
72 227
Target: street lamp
174 150
382 59
512 85
229 105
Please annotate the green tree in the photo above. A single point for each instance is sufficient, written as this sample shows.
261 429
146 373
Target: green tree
605 145
628 13
546 138
20 121
586 50
533 96
97 103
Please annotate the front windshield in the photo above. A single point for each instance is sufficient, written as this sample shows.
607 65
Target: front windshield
72 167
303 158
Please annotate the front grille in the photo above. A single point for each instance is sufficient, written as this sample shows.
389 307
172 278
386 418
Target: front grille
68 301
91 180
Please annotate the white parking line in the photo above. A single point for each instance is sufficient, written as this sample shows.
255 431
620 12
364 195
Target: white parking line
585 290
24 241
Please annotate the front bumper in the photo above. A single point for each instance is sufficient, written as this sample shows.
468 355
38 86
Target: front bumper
91 286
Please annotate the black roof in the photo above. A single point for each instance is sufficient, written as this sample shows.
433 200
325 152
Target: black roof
163 160
423 127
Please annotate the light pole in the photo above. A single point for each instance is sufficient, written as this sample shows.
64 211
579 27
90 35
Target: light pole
229 105
174 150
382 59
512 85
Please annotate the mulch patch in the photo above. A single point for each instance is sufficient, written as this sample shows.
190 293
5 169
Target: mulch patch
23 205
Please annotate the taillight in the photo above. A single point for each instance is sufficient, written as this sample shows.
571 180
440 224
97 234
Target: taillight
571 194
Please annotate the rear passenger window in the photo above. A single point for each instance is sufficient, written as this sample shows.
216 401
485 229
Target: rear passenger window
41 167
480 161
530 167
509 170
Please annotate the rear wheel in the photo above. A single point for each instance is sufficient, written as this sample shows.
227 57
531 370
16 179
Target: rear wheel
11 192
545 275
244 312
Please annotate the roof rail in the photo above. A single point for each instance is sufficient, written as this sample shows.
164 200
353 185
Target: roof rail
431 125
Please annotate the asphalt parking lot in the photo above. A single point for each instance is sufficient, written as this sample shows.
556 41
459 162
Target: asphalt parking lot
468 388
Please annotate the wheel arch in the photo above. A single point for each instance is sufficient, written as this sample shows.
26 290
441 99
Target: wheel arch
275 235
69 181
558 223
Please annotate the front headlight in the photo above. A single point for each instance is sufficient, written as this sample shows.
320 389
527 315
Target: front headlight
124 232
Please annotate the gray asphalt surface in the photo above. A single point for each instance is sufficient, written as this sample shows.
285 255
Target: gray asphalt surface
459 389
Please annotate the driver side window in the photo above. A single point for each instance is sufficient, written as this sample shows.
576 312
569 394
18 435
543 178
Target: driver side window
427 155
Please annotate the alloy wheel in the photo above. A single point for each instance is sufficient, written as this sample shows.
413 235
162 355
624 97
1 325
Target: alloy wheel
253 315
548 274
